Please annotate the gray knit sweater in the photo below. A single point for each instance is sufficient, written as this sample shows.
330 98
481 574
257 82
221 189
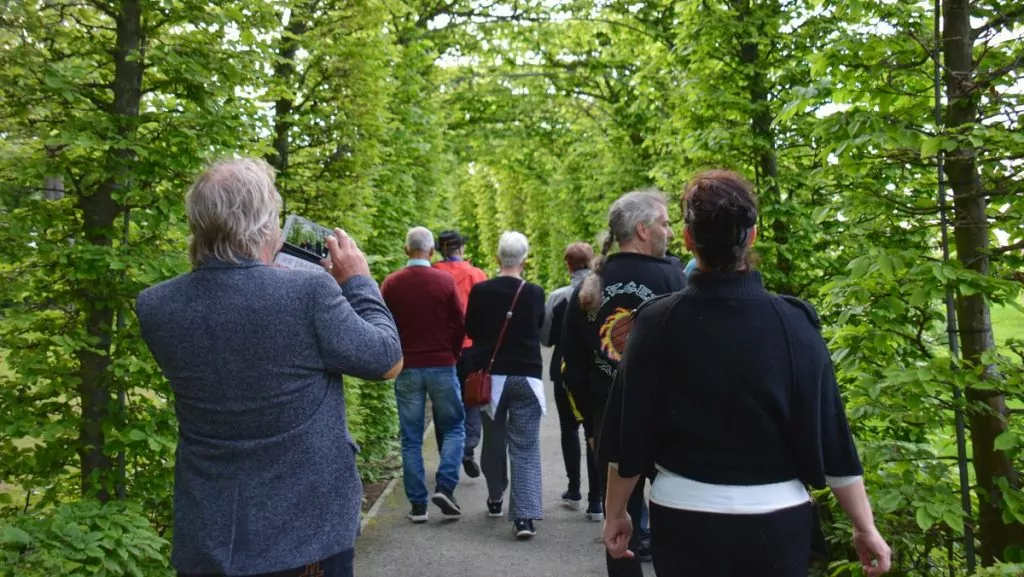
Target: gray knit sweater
265 476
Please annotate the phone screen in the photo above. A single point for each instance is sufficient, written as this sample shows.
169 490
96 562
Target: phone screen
306 235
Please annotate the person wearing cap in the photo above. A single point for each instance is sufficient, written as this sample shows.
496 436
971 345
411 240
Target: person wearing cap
451 246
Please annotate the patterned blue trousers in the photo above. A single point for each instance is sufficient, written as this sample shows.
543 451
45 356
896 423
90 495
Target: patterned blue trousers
513 436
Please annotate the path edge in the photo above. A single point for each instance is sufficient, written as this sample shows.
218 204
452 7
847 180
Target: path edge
375 508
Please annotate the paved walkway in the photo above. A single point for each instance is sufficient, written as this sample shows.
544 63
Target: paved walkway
566 544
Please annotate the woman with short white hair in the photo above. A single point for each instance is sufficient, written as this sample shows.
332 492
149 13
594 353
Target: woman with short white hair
511 421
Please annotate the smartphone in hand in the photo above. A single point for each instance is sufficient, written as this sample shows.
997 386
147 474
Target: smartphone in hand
305 244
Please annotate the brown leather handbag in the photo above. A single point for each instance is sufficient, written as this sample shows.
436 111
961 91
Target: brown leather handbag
478 383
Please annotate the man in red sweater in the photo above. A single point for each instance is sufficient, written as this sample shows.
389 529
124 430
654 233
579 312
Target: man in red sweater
451 246
431 324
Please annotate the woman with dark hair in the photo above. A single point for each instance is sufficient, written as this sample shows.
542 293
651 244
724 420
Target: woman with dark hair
729 393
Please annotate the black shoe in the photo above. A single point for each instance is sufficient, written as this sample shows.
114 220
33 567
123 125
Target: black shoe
447 503
471 468
418 514
524 528
572 500
644 552
493 509
595 512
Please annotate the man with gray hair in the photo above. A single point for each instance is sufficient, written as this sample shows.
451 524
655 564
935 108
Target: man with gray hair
265 479
429 313
597 320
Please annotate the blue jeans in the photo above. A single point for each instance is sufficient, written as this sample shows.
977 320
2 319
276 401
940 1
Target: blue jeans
411 389
645 522
473 427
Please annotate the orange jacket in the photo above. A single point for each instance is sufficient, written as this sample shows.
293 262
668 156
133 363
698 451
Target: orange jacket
466 275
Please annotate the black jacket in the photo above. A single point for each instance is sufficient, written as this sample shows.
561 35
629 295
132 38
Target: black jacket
588 350
726 383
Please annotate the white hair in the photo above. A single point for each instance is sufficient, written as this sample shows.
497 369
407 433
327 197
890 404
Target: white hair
512 249
419 238
233 211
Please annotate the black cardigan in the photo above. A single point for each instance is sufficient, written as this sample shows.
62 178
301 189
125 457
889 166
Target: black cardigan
488 304
726 383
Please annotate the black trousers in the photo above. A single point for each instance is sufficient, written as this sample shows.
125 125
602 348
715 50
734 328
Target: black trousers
631 567
619 567
776 544
570 430
339 565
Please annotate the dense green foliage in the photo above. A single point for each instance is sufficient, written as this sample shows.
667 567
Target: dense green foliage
380 116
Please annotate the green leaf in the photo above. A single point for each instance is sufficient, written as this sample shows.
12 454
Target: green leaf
885 265
952 518
919 297
924 519
930 146
1006 441
859 267
15 535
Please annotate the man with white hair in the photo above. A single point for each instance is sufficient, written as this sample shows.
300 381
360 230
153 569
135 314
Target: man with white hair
429 313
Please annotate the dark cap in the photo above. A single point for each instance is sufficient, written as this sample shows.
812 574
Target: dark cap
450 240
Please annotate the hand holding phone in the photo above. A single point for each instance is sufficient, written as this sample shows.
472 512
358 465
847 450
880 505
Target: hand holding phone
346 260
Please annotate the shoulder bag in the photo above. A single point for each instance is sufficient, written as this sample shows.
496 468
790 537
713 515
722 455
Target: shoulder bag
478 383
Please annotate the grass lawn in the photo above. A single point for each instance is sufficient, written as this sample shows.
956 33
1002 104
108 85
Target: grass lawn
1007 322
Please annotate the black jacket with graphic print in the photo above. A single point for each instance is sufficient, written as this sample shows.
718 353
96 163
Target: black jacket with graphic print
590 356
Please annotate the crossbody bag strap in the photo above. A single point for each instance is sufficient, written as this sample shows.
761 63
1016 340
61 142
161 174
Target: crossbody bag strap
504 327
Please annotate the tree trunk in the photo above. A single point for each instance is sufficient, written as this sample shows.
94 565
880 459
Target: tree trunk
766 157
99 210
988 413
53 188
284 75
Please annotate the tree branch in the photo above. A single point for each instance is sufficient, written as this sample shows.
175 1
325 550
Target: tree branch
991 76
998 22
1009 248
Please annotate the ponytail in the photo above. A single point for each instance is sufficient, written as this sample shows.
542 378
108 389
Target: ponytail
590 292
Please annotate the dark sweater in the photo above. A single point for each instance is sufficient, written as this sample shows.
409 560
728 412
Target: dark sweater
489 302
428 311
551 334
729 384
629 280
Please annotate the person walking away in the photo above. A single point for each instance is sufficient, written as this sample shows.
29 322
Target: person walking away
577 259
729 392
504 317
428 312
452 248
265 478
601 308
